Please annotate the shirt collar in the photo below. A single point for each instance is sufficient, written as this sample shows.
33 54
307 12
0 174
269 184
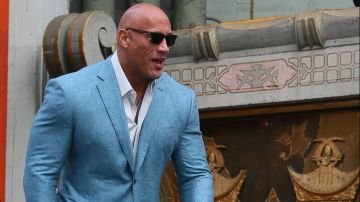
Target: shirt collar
122 80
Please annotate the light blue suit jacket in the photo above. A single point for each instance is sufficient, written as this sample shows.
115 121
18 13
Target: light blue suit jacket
79 147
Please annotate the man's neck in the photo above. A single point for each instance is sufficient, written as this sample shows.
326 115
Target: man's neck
139 85
140 91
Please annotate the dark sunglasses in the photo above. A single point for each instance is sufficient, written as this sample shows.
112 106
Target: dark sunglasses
156 37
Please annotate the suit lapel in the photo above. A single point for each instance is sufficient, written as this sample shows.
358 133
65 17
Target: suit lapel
150 122
110 95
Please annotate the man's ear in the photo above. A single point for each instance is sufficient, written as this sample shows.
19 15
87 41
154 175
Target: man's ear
122 38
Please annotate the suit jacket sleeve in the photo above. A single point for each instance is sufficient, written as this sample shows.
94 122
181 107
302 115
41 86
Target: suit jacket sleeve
193 175
49 145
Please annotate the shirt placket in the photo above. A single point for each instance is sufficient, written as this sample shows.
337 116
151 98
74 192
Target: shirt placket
133 129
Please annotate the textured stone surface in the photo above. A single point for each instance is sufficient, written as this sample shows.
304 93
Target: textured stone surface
328 73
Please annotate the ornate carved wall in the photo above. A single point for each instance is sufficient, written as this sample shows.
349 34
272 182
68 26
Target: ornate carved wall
266 145
271 78
306 57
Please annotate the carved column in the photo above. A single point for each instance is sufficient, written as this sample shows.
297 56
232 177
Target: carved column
106 5
189 13
155 2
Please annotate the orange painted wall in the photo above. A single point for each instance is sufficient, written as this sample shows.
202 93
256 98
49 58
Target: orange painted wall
4 28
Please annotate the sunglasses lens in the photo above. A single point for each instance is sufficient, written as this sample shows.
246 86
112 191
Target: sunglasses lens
170 39
157 38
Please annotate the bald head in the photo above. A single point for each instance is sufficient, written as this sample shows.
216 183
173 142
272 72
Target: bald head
143 36
142 13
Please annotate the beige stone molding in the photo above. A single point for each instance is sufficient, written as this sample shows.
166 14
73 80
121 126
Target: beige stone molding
306 30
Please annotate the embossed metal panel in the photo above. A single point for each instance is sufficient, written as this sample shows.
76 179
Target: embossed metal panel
266 145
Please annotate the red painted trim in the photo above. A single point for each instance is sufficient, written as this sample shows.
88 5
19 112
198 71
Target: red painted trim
4 36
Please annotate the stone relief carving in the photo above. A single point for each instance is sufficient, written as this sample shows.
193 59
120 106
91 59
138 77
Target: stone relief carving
69 45
204 44
257 76
229 58
87 29
321 69
54 45
327 182
310 69
309 29
226 189
295 140
75 40
272 196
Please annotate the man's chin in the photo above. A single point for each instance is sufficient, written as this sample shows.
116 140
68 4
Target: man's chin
158 75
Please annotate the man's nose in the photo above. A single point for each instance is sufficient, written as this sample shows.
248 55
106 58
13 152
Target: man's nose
163 47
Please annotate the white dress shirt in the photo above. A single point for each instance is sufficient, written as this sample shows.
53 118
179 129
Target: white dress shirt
128 96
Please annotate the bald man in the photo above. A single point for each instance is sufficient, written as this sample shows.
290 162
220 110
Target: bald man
107 132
